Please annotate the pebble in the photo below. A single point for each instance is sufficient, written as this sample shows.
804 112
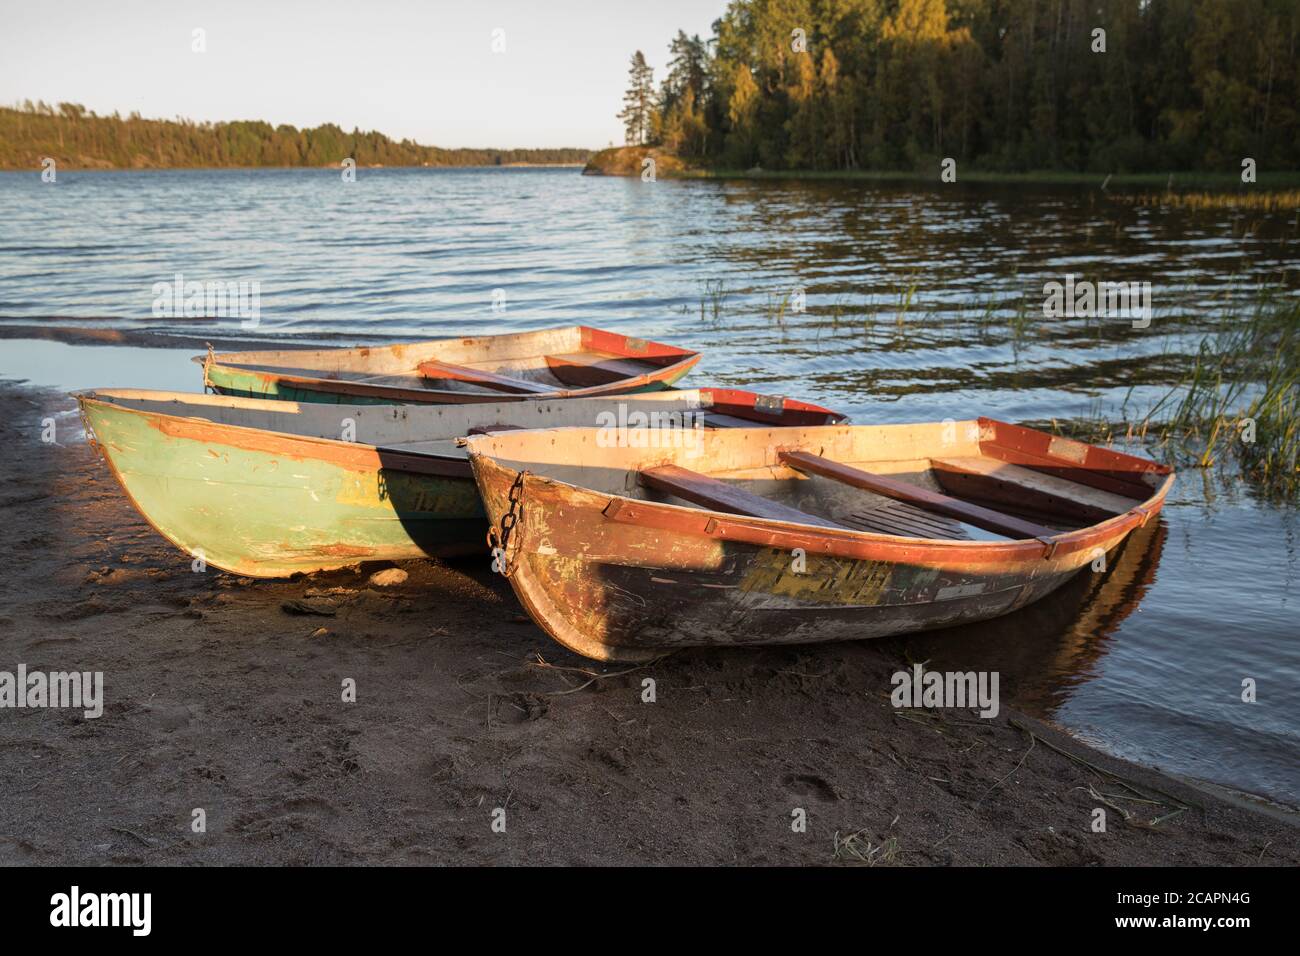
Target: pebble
388 577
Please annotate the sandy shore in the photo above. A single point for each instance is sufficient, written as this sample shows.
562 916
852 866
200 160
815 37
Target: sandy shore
221 694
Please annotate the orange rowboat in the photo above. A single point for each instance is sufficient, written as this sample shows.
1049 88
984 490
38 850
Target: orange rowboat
771 536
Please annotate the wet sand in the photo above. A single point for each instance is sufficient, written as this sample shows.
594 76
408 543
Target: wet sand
222 694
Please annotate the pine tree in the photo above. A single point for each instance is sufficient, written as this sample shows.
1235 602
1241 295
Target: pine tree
688 65
638 102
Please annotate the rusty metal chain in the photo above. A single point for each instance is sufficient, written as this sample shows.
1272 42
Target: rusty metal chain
499 541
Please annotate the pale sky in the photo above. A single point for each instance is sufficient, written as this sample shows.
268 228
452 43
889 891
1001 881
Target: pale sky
424 70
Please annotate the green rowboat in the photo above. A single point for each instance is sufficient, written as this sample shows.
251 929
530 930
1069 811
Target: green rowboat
271 488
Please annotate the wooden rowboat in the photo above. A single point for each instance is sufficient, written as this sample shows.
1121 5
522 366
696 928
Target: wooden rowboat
767 536
270 488
554 363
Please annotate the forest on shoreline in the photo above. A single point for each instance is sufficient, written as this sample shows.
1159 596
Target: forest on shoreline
1116 86
76 138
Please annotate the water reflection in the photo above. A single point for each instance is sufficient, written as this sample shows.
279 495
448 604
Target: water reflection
1045 650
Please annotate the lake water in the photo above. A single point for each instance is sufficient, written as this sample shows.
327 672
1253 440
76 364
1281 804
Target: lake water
921 303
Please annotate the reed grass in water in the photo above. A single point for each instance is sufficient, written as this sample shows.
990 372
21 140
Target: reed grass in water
1238 402
1261 201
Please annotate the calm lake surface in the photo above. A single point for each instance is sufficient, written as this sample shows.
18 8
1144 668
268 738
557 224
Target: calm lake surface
922 303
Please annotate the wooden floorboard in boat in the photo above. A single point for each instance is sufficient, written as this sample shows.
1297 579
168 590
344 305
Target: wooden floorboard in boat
900 518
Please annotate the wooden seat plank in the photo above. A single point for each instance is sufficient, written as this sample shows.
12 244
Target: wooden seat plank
720 496
974 515
587 369
1126 483
478 376
990 479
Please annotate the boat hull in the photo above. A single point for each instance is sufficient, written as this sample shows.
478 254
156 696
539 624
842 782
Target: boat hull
267 504
621 580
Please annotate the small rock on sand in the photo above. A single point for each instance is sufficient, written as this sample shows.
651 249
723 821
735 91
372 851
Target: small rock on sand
388 577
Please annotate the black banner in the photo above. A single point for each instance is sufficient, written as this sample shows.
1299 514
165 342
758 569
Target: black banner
334 905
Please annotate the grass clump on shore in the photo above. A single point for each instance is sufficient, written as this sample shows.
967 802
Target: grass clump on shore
859 848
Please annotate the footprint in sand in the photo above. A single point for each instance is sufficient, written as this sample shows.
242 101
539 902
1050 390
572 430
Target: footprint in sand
810 785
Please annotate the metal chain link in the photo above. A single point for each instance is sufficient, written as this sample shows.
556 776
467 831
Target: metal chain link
499 541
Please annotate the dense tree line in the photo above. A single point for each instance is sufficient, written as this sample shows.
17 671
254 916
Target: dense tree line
75 137
1105 85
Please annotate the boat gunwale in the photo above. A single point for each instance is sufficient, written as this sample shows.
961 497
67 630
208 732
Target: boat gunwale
710 397
389 347
788 405
344 453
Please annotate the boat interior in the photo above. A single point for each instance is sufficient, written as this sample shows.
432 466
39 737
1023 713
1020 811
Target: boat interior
436 429
978 480
525 363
